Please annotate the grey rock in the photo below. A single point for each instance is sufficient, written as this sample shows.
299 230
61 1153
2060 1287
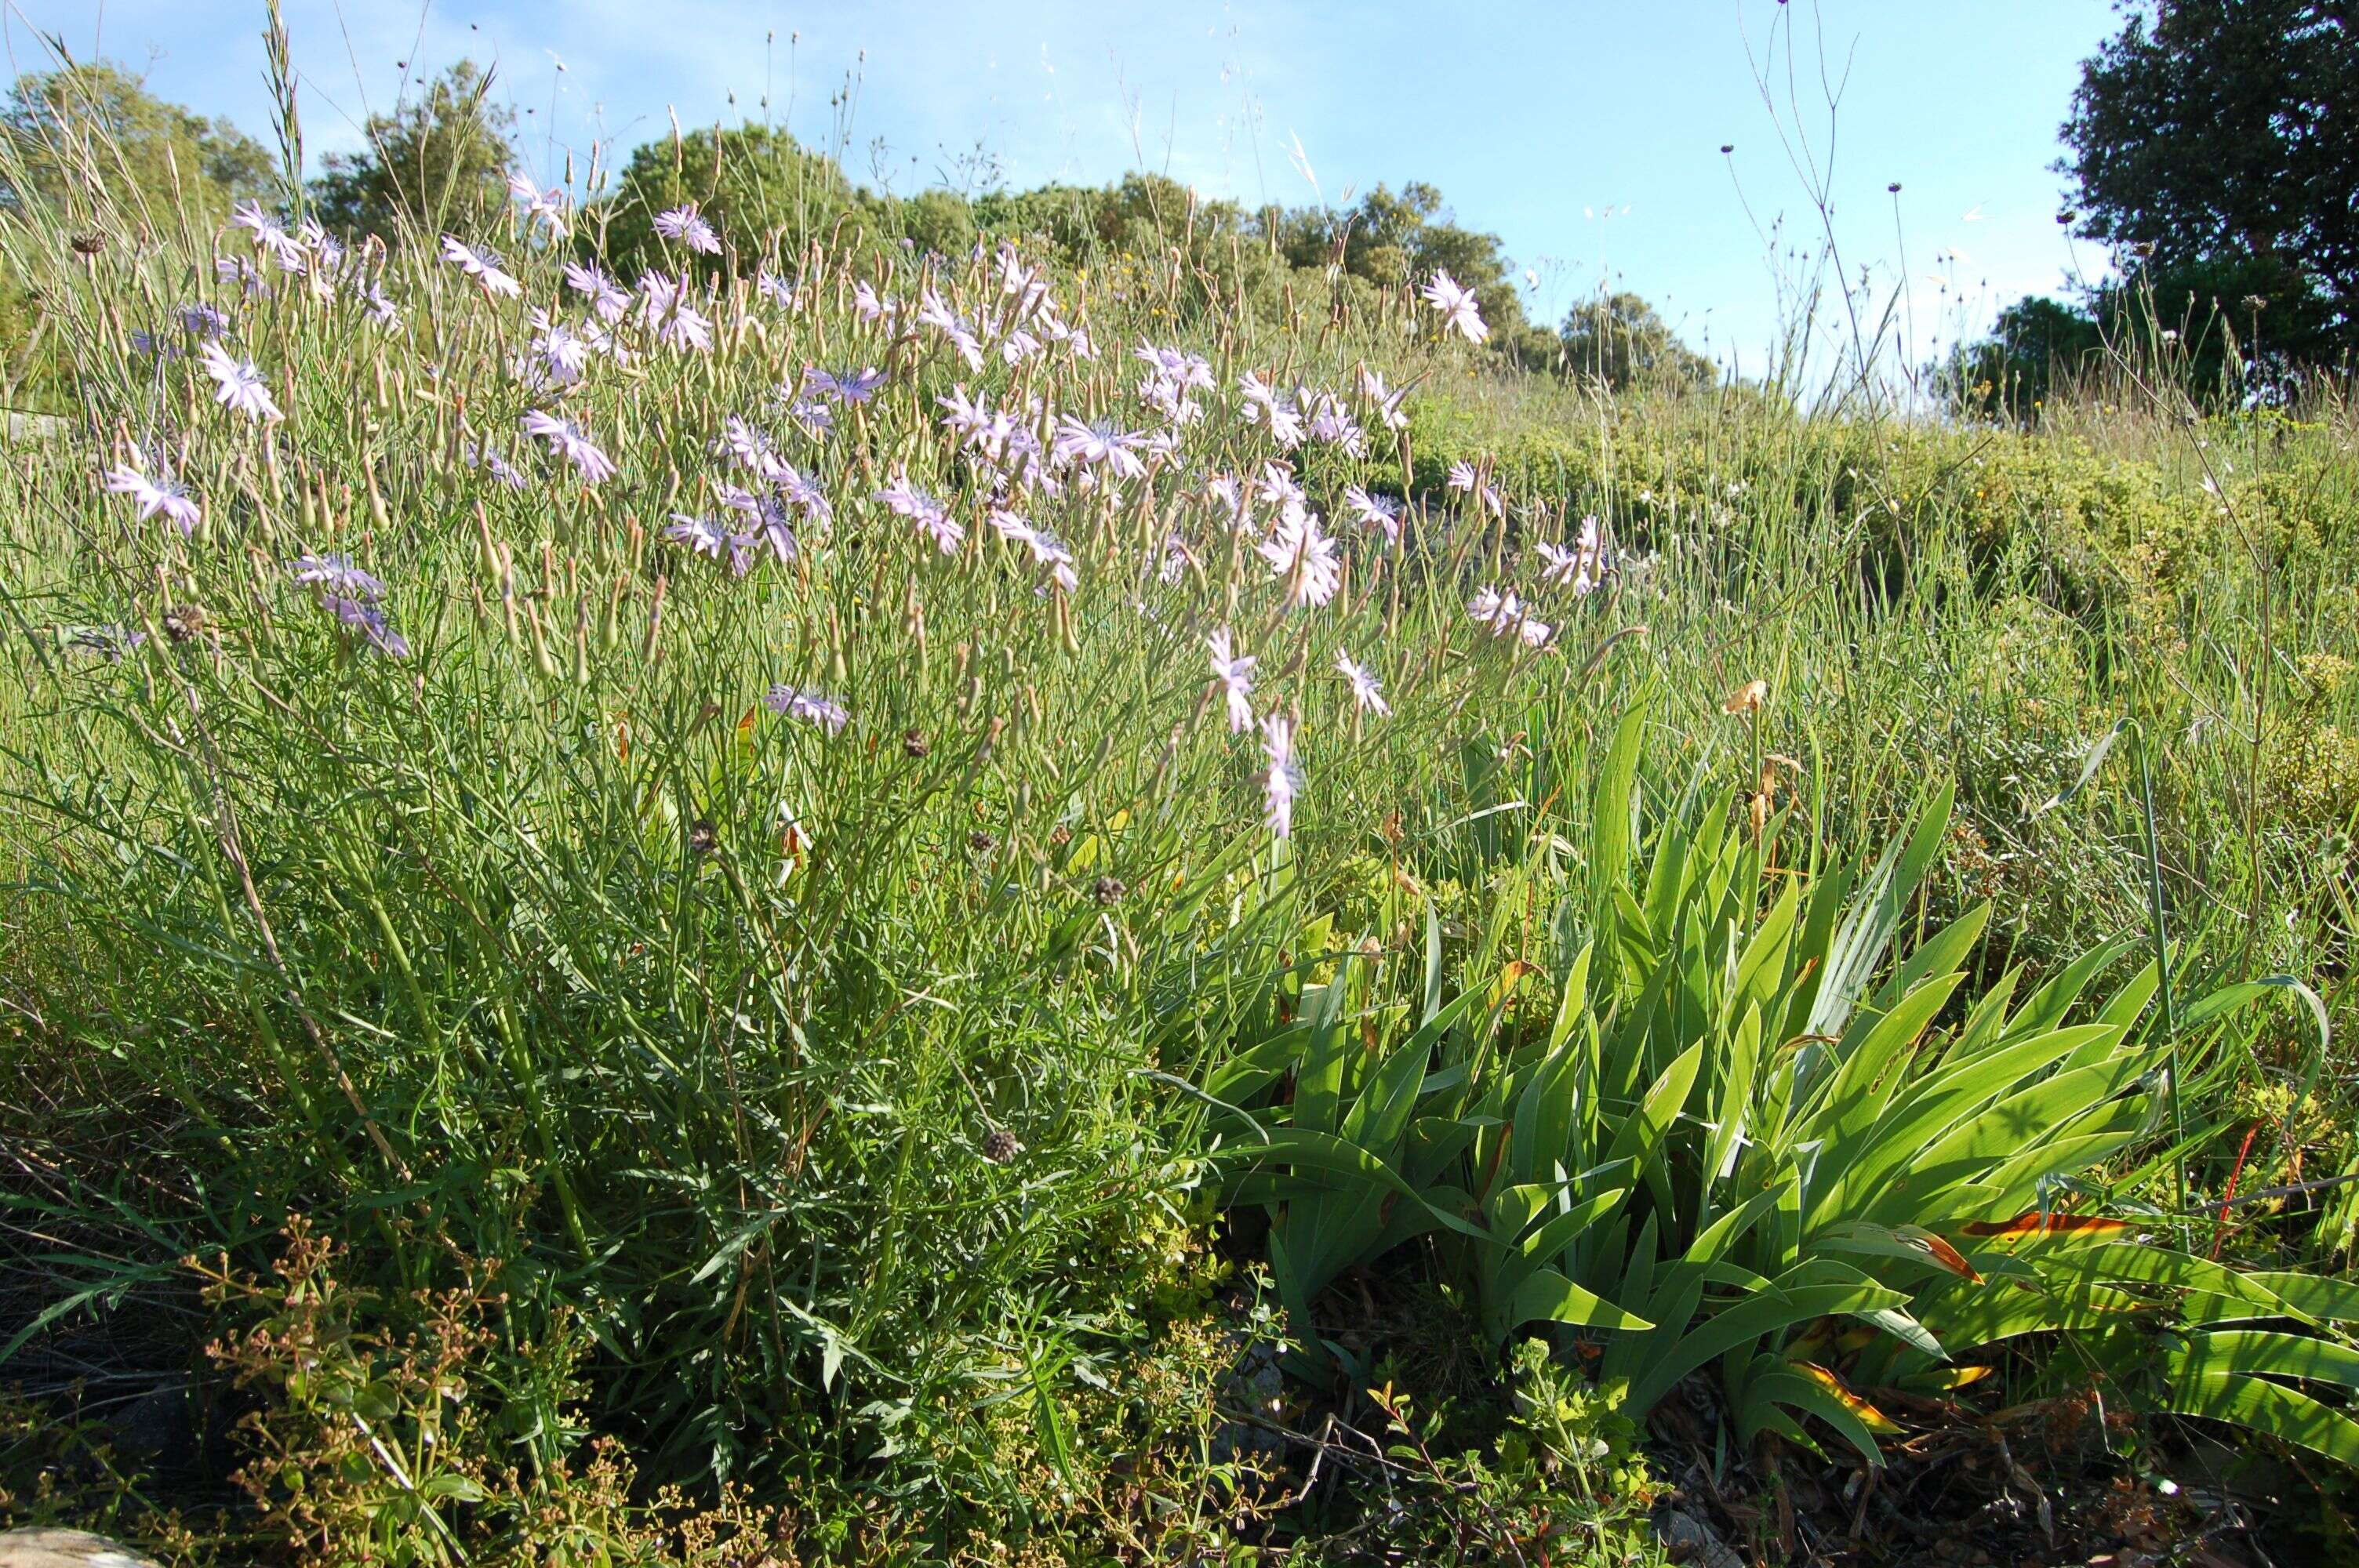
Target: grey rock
41 1547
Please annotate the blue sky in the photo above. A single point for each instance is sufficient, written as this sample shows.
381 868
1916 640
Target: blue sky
1586 133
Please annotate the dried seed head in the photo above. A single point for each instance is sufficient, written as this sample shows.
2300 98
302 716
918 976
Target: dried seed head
982 843
915 744
1746 698
702 837
1000 1146
1108 890
184 623
1060 835
89 244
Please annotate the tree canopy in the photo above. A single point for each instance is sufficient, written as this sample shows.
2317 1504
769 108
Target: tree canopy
439 161
2212 133
93 144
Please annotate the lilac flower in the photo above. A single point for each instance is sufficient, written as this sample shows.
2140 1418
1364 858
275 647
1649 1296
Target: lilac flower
337 575
1075 340
932 518
1379 512
1267 404
1303 557
684 328
367 617
202 320
1459 311
814 418
1098 445
1365 691
482 455
239 384
109 642
155 497
1503 614
1462 478
810 707
1332 423
777 290
271 236
481 265
1283 779
1236 672
242 272
1235 501
797 491
608 299
867 305
548 204
1581 568
966 416
1277 486
752 448
1017 346
1387 401
702 535
686 225
565 437
847 386
381 308
560 354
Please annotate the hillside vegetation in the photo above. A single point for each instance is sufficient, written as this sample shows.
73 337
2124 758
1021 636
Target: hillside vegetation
788 895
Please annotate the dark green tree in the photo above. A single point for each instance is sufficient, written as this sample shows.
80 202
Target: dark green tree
91 144
2209 134
1618 341
2037 344
756 185
437 162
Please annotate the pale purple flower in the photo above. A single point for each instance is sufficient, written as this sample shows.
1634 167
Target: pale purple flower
705 536
608 299
242 272
1282 780
481 263
1017 346
1459 311
380 306
847 386
565 437
932 518
238 383
560 353
336 575
1098 445
797 491
1581 567
1389 413
1302 556
688 227
155 497
810 707
1381 513
1503 613
777 290
271 236
1462 478
1236 501
1365 691
867 305
1333 425
366 617
1234 671
481 455
202 320
547 205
